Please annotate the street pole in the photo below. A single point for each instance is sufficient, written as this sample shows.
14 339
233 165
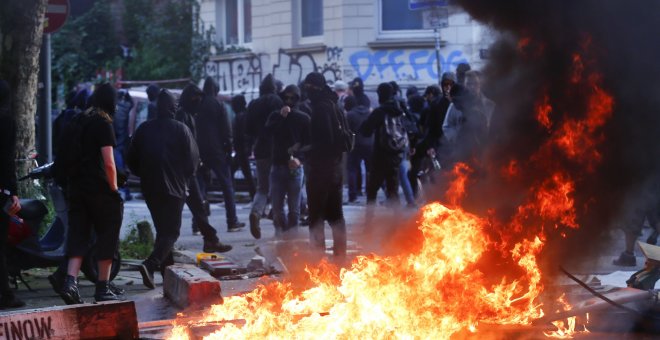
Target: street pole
45 150
436 33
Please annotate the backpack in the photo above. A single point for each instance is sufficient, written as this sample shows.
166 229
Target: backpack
393 137
344 137
69 154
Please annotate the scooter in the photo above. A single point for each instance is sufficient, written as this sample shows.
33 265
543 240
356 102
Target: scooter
27 250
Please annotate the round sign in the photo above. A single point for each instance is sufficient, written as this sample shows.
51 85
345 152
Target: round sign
56 14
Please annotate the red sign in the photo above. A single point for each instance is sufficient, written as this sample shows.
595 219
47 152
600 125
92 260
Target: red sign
56 14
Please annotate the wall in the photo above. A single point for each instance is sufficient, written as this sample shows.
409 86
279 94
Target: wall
350 30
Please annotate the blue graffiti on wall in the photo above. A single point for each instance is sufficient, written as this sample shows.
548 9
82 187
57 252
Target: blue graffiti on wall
418 65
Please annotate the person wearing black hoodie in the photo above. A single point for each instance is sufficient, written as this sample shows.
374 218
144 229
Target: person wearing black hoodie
152 95
8 191
191 97
324 185
242 143
289 128
163 153
356 115
357 90
257 114
214 138
384 163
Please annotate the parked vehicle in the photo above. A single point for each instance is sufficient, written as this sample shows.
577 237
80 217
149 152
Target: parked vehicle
27 250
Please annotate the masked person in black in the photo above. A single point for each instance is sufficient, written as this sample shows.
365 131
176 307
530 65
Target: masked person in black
324 185
242 143
8 197
214 138
163 153
189 102
94 201
289 128
257 114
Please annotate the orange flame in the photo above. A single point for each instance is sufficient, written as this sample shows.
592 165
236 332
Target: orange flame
456 190
566 330
543 110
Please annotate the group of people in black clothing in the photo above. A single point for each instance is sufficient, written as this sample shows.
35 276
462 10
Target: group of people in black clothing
293 135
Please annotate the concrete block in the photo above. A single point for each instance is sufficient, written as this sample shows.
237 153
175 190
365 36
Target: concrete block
104 320
186 285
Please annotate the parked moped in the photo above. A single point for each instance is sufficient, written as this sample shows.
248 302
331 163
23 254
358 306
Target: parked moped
27 250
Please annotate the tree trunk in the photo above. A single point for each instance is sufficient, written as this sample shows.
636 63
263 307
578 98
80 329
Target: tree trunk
21 31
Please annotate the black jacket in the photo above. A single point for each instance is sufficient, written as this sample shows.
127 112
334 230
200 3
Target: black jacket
286 132
355 117
163 153
375 121
323 122
433 118
242 142
7 150
214 135
257 114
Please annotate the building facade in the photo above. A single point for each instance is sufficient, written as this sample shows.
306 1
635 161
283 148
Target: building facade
376 40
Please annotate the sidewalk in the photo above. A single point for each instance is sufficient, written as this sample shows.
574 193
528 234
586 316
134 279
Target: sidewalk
151 305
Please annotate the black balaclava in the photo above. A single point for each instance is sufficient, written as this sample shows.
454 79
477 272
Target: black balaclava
165 104
152 92
191 97
314 85
291 95
385 92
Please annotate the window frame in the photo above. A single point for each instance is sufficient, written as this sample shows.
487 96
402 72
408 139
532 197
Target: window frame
399 34
310 40
221 28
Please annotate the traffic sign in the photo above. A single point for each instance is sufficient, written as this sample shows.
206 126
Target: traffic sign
436 17
423 4
56 14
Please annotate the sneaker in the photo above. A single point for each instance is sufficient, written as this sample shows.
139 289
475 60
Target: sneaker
114 289
195 230
103 292
625 260
147 276
237 226
255 230
216 247
70 293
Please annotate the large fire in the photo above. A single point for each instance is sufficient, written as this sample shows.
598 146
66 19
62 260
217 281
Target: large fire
448 285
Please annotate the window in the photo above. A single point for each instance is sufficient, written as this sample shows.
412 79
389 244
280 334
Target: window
235 21
311 18
397 20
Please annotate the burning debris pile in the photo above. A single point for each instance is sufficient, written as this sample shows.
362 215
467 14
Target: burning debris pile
576 109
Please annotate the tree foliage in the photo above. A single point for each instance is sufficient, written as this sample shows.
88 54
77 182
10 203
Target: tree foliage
84 45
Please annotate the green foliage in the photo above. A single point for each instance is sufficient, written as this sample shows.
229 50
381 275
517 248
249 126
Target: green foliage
137 244
163 39
84 45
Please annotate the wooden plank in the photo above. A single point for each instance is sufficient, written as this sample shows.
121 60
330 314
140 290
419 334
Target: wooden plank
186 285
105 320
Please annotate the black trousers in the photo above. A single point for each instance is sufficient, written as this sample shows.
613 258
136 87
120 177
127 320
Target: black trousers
241 162
195 203
166 213
324 198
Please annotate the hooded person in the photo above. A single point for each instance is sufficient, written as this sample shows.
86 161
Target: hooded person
385 158
163 153
152 95
189 102
214 138
289 128
357 89
242 143
257 114
93 198
324 185
361 153
8 191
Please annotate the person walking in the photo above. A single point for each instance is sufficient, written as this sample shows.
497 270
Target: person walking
8 191
257 114
189 102
163 153
290 131
92 192
324 186
361 153
214 138
242 143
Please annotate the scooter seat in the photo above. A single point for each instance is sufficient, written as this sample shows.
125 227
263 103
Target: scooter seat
32 210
